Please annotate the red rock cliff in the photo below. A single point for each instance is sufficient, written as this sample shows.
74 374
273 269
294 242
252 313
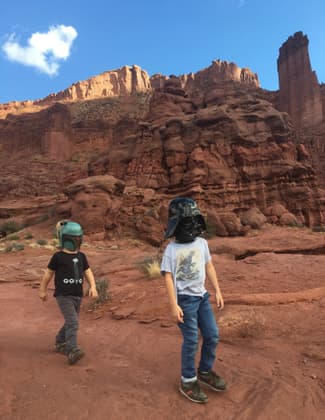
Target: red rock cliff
300 93
119 158
124 81
219 71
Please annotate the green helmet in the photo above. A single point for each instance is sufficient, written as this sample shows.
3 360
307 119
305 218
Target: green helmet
70 235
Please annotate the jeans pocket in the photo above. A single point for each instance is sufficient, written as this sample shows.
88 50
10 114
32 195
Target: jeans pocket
188 303
184 299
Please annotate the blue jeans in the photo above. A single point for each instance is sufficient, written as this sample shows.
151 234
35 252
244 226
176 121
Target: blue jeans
198 314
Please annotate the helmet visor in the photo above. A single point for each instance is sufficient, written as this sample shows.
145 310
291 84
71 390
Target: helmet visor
171 227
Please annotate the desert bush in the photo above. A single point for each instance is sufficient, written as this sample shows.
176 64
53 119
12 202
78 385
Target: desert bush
247 324
319 228
153 269
13 237
11 227
18 247
103 295
29 235
150 267
102 289
13 247
41 242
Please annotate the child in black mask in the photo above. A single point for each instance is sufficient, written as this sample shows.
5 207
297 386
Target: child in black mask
185 264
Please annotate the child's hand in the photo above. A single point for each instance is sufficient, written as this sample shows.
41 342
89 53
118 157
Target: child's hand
178 314
93 292
42 295
219 299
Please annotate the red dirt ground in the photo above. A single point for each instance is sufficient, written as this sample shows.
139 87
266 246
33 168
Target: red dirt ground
272 349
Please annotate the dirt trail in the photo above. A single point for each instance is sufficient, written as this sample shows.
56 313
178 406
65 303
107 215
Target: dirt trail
272 355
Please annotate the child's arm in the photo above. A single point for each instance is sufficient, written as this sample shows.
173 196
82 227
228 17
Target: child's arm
176 309
47 277
92 284
212 276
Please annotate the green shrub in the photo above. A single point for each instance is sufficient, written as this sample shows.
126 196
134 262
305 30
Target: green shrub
13 237
29 235
319 229
18 247
103 296
41 242
11 227
14 247
102 286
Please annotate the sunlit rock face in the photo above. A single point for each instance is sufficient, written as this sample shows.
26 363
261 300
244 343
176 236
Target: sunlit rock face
300 93
124 81
303 98
119 155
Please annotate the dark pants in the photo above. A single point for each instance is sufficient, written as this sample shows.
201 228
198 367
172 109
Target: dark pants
70 308
198 315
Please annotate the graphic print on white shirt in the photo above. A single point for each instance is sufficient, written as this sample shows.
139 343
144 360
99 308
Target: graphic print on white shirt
186 262
188 268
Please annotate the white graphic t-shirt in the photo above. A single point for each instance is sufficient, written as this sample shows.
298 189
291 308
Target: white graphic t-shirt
187 263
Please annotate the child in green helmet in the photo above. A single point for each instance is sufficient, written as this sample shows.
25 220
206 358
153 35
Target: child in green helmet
69 267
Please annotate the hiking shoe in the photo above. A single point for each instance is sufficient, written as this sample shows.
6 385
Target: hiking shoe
75 355
60 348
212 380
193 392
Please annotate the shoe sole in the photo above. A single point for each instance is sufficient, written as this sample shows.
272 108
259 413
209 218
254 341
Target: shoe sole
191 399
212 387
60 350
76 358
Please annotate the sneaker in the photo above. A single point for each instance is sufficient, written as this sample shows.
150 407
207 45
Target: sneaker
60 348
212 380
193 392
75 355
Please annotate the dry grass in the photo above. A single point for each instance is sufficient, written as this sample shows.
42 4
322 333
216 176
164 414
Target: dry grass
103 295
150 266
245 324
153 269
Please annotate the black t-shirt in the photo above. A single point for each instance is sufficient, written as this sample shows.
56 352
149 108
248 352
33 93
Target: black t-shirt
69 272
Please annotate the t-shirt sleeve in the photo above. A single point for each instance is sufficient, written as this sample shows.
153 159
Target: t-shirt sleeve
52 265
207 255
85 262
166 263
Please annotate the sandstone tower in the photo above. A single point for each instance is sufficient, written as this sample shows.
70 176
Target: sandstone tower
300 94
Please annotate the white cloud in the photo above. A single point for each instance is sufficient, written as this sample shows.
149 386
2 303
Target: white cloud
43 51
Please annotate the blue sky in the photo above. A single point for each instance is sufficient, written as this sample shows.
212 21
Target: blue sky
45 46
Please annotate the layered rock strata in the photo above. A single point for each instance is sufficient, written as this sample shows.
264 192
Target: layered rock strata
300 94
133 80
213 136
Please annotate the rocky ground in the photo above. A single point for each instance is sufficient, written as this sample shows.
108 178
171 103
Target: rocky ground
272 333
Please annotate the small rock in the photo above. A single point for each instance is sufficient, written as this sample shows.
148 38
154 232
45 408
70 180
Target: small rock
166 324
123 313
147 321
